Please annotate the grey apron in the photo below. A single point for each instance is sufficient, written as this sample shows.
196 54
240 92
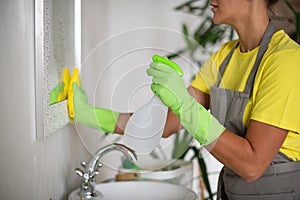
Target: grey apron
282 179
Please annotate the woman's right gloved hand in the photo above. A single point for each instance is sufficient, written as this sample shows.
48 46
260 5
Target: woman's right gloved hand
168 85
92 116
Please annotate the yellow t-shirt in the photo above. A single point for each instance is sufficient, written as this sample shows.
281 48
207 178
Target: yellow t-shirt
275 98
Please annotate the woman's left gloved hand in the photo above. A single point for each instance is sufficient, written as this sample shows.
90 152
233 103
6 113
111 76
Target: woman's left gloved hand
168 85
92 116
60 92
82 112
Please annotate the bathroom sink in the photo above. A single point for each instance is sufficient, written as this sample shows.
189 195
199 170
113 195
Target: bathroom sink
142 190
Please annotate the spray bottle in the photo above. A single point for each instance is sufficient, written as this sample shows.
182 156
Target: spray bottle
145 127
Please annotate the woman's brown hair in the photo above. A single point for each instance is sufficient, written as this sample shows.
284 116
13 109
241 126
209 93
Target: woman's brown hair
270 3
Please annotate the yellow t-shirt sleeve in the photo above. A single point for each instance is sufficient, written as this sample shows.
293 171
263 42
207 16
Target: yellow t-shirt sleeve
206 76
277 101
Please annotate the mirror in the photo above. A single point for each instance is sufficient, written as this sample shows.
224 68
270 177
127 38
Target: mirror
58 45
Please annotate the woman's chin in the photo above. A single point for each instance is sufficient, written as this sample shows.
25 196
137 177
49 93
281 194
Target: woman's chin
216 21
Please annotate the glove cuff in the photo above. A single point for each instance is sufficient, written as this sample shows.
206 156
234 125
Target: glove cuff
107 119
199 122
98 118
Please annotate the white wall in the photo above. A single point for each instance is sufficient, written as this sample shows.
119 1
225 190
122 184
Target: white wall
117 36
31 169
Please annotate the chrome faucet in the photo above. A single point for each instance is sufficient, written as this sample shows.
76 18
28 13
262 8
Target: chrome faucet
88 182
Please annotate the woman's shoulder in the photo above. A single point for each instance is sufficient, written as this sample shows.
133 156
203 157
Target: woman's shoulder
281 41
225 48
283 55
228 46
282 49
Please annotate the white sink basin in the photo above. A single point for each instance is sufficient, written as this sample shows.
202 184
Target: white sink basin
142 190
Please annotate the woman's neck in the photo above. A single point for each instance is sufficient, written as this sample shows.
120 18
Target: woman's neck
251 32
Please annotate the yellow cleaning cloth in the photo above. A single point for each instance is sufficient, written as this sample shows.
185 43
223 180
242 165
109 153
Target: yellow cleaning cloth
74 79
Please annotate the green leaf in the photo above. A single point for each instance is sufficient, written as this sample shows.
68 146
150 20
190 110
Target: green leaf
181 145
176 54
191 44
190 8
203 169
186 4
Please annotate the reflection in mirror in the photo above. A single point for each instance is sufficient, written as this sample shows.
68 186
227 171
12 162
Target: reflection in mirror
58 45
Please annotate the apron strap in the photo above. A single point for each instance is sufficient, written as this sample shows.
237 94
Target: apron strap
262 49
221 195
225 62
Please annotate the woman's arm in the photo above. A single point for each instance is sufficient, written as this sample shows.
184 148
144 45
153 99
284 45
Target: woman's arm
172 123
121 122
250 156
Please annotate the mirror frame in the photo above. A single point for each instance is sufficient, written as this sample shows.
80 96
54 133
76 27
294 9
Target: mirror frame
42 89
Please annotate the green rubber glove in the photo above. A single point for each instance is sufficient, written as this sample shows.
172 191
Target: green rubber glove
92 116
60 92
169 87
55 93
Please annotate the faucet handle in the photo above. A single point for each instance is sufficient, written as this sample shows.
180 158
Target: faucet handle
93 174
79 172
89 175
83 164
98 165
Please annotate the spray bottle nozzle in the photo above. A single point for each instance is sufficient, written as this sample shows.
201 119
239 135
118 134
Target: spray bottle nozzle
166 61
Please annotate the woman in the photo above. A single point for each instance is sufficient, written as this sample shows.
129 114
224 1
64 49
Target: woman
251 87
